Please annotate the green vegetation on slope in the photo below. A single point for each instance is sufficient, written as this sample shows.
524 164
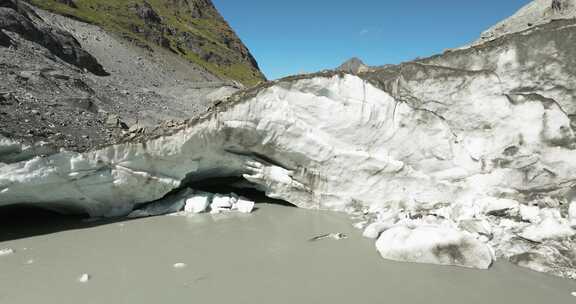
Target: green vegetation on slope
191 28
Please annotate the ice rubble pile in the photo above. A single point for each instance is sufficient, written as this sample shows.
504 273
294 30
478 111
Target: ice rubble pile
471 234
189 201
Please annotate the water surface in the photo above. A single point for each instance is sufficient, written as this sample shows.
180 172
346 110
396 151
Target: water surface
264 257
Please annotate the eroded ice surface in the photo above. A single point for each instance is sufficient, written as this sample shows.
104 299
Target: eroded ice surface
262 257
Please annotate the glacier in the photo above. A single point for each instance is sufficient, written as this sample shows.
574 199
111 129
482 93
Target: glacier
457 159
337 143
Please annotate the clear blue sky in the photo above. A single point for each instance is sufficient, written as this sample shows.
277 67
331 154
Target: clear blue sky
292 36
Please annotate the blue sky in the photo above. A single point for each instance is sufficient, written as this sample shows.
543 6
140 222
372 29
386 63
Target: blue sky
288 37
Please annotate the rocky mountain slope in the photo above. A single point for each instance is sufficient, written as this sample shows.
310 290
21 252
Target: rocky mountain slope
69 84
193 29
535 13
457 159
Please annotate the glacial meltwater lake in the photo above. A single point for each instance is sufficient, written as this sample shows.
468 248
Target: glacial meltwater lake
263 257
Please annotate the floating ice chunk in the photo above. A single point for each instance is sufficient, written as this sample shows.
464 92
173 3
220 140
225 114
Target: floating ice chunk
434 245
179 265
530 213
360 225
84 278
29 262
549 228
198 203
6 251
338 236
573 294
244 205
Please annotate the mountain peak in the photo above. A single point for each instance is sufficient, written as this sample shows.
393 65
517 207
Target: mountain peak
353 65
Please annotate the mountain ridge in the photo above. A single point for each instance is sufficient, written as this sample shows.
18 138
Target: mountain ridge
193 29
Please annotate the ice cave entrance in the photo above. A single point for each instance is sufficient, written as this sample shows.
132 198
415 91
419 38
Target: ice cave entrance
233 184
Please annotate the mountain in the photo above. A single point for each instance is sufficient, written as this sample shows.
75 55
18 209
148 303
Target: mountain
193 29
533 14
353 66
462 158
70 84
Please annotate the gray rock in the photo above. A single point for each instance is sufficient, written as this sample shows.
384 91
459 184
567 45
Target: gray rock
60 43
353 66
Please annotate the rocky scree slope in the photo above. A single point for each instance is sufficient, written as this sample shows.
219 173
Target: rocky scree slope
19 19
68 84
193 29
457 159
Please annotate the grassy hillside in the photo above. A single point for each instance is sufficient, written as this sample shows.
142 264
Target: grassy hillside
192 28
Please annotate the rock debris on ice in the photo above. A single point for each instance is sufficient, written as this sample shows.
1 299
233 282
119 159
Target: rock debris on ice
334 236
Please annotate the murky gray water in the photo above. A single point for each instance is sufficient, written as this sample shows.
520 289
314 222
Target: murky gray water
264 257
